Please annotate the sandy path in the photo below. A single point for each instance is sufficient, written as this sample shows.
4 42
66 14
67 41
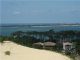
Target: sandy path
19 52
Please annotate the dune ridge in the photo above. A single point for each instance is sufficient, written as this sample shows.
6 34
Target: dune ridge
19 52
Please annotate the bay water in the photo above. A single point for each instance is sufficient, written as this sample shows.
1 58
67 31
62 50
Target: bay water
8 30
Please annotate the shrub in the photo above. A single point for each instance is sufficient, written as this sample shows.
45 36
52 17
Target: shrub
7 53
38 46
68 52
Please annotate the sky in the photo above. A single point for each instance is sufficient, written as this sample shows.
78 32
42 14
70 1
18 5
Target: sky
40 11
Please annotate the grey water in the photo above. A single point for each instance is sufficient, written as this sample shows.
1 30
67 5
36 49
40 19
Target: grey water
9 30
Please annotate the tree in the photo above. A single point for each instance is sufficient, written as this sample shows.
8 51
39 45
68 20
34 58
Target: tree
2 39
71 34
78 34
51 34
57 36
78 46
16 36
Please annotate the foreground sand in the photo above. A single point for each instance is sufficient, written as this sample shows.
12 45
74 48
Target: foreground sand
19 52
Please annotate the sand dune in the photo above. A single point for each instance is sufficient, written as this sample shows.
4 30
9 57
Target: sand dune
19 52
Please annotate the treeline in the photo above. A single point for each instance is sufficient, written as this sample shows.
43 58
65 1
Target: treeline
50 35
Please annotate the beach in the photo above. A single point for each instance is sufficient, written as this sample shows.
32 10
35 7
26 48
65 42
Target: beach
18 52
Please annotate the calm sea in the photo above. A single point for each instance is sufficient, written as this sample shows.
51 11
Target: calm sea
9 30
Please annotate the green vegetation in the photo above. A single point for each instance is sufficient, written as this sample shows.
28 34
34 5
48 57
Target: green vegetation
77 45
7 53
31 37
4 38
37 46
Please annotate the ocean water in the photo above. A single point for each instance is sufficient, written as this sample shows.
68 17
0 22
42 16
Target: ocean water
9 30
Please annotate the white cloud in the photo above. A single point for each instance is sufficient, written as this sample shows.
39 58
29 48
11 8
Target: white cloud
17 12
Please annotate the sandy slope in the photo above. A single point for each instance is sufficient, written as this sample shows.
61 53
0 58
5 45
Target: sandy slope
19 52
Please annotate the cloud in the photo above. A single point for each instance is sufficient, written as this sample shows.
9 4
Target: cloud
17 12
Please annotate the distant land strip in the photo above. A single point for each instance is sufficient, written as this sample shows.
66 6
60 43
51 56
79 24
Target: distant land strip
37 25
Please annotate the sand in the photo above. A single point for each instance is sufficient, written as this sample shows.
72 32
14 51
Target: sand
19 52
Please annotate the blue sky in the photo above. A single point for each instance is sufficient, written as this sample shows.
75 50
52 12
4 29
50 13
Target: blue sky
37 11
